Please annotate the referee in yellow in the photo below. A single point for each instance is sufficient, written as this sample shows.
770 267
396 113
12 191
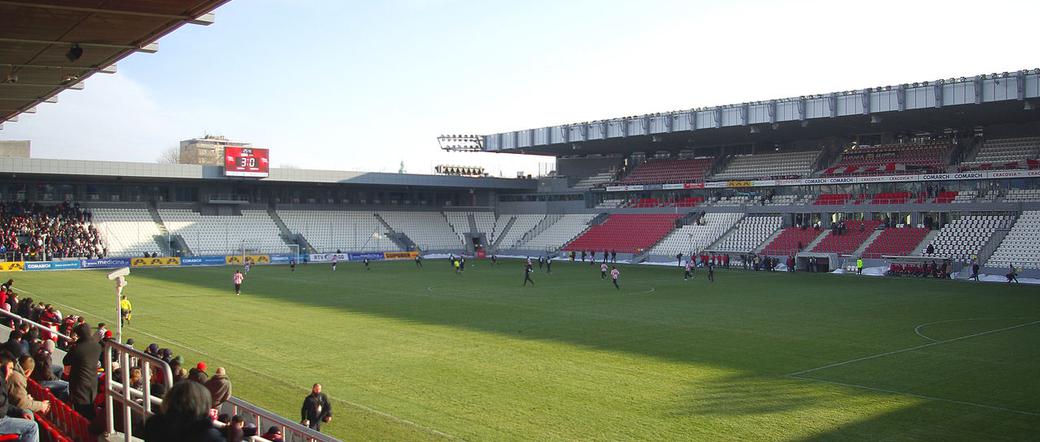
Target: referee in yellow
125 309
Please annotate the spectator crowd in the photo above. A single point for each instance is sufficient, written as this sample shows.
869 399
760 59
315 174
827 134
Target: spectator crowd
32 232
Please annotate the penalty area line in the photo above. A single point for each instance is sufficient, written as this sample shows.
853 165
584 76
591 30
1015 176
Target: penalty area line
268 376
908 349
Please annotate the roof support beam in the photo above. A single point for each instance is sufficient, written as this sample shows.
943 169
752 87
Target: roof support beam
205 19
77 86
110 69
150 48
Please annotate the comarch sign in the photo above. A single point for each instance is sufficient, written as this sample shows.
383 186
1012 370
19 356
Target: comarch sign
977 175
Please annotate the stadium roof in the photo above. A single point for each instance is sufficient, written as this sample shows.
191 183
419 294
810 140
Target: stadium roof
999 98
117 170
48 46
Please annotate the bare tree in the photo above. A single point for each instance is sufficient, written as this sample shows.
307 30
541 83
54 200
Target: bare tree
170 155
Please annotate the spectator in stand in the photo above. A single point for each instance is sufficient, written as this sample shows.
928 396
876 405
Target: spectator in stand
198 374
34 232
274 434
316 409
13 346
22 425
44 373
83 362
233 432
16 387
184 416
219 387
930 250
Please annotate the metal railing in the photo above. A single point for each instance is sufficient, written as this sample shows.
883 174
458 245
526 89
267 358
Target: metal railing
130 399
263 419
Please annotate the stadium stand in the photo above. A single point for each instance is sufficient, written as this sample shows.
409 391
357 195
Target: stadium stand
896 242
1019 247
751 232
789 200
611 204
36 232
459 222
731 201
832 199
521 225
428 230
625 233
787 164
127 231
791 241
1005 153
848 240
890 159
669 171
561 232
223 234
693 238
891 198
963 238
597 180
964 196
328 230
485 224
1022 195
946 197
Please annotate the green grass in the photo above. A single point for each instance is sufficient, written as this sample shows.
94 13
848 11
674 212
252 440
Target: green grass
418 355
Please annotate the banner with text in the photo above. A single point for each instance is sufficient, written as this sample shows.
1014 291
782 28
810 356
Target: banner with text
203 261
974 175
105 263
12 266
255 259
155 262
400 255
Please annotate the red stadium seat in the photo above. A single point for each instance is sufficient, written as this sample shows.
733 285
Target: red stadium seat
625 233
789 239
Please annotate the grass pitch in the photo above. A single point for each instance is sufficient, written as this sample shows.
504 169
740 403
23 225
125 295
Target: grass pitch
409 354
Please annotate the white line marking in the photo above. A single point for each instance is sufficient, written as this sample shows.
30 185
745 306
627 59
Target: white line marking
916 347
920 396
265 375
917 329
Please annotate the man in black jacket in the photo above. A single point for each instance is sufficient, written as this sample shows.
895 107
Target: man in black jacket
83 376
316 409
14 420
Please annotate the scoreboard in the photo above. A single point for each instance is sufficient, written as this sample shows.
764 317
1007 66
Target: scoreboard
246 162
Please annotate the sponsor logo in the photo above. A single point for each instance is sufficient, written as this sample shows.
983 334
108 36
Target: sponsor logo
739 183
255 259
362 256
155 262
203 261
400 255
105 263
13 266
41 265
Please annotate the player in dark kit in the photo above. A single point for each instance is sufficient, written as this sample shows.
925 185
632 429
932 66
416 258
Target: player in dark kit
292 265
541 262
528 268
548 265
418 261
494 259
366 264
711 272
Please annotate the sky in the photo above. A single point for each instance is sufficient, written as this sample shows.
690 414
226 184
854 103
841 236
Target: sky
366 85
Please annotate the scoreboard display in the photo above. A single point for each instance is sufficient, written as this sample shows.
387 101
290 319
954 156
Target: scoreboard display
246 162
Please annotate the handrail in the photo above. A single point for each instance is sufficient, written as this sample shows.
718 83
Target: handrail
291 431
127 397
